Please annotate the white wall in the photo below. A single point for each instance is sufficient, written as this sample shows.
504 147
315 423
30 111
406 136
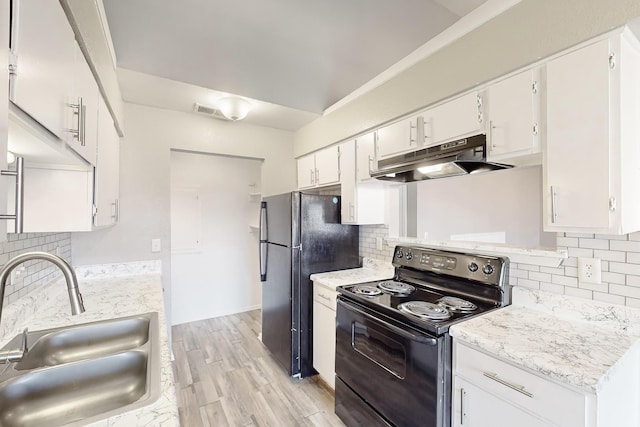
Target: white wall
145 182
524 34
215 270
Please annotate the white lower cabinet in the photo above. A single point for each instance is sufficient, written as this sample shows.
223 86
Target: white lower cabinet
474 407
489 392
324 333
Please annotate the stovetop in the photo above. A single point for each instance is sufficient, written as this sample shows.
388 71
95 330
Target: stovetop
424 276
388 304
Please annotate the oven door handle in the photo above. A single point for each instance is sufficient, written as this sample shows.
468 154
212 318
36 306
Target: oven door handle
402 332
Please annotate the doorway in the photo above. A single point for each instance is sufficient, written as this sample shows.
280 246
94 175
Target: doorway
214 239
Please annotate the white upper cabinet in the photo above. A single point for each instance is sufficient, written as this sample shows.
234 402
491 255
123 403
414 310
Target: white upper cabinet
42 46
306 171
361 202
399 137
320 168
107 187
592 155
328 166
457 118
82 115
4 115
514 117
365 156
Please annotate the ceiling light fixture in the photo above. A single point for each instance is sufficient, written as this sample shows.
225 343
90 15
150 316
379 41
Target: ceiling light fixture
234 107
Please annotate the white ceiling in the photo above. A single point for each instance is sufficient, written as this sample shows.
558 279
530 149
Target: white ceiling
293 58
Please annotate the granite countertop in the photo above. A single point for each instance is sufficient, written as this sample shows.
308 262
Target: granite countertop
108 292
370 271
573 341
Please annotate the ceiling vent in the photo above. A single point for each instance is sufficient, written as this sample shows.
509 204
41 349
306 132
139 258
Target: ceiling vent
212 112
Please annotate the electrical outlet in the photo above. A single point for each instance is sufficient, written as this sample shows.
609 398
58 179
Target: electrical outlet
379 243
589 270
155 245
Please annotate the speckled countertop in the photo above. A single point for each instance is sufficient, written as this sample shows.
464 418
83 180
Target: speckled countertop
109 291
371 270
573 341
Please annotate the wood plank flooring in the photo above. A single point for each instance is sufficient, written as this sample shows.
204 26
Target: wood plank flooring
226 377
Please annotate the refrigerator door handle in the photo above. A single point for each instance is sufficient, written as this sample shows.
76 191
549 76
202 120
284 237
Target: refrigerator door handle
263 247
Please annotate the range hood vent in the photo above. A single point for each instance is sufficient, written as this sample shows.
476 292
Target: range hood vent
461 157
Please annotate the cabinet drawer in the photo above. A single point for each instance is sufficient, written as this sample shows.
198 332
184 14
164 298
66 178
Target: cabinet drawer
325 296
544 398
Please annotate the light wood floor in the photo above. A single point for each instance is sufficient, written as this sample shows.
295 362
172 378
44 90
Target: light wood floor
226 377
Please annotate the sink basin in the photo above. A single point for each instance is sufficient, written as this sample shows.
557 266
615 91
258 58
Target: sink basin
74 391
82 373
57 346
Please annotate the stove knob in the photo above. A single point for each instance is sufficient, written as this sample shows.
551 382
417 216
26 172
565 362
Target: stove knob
409 256
399 253
473 267
487 269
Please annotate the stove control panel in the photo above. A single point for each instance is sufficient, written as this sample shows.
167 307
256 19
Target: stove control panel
481 268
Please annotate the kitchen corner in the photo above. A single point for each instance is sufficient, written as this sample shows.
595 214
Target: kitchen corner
109 291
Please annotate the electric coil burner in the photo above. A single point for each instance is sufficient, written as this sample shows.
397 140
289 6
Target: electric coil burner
395 287
393 348
457 304
425 310
366 290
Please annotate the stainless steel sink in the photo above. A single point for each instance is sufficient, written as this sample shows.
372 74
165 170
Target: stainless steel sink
57 346
83 373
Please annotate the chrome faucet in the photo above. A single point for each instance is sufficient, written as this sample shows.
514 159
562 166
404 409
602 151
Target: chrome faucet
75 299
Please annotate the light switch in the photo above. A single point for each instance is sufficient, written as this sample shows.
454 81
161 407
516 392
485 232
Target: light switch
155 245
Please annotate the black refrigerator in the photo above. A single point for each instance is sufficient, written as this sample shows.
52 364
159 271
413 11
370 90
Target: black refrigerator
300 234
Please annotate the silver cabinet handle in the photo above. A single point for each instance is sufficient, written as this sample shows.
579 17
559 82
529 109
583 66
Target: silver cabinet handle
462 395
411 128
352 211
370 164
317 176
18 217
312 176
518 388
77 111
116 210
554 212
82 123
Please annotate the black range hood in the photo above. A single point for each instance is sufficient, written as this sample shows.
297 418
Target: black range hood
461 157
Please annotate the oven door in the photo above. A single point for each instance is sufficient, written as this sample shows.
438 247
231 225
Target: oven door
400 373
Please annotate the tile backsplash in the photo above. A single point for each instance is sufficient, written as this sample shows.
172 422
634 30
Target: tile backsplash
35 272
619 256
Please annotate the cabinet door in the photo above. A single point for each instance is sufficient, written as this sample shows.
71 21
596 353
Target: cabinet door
513 117
348 182
83 117
44 45
473 407
4 117
57 200
328 166
107 187
398 137
457 118
365 156
306 171
324 342
577 148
